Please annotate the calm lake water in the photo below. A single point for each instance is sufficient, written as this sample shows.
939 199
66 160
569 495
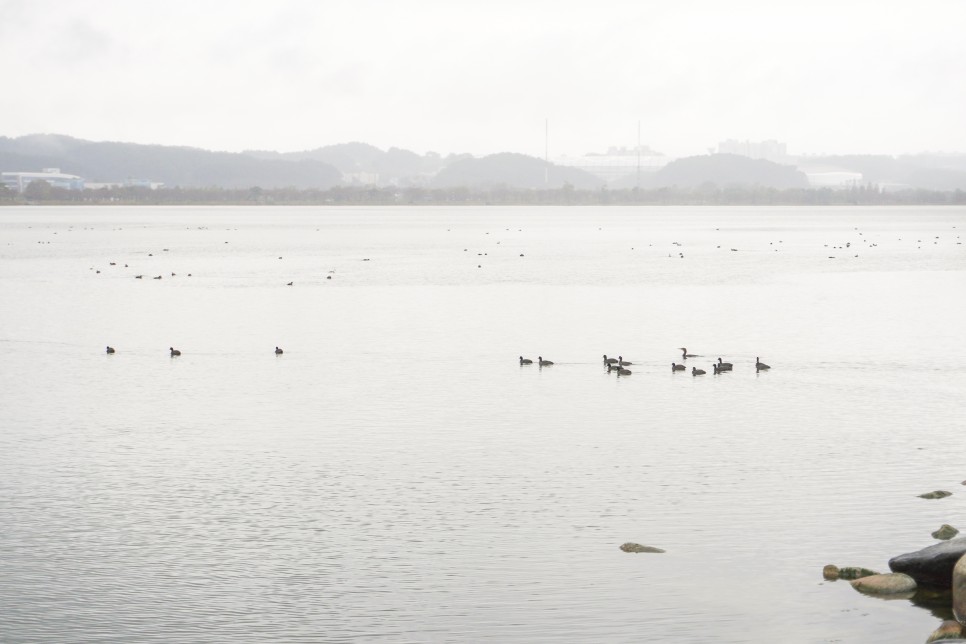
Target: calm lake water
397 476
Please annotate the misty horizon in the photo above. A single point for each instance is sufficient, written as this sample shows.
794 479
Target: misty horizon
604 149
823 78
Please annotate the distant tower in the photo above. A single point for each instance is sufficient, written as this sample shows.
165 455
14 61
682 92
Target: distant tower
638 154
546 152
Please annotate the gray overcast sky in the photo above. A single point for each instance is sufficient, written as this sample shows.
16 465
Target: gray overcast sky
843 76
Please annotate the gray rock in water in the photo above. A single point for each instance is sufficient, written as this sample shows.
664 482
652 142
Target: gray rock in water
932 566
938 494
959 590
889 584
832 572
945 531
636 547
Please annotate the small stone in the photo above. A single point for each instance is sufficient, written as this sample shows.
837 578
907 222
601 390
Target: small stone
888 584
636 547
945 531
938 494
854 572
948 630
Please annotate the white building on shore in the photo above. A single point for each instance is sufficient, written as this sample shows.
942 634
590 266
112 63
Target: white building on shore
617 163
20 180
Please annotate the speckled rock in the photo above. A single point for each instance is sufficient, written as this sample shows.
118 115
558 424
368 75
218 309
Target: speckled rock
944 532
949 631
636 547
832 572
959 590
932 566
938 494
889 584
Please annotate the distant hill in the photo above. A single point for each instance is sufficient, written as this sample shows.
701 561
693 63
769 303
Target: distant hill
362 163
106 162
722 170
513 171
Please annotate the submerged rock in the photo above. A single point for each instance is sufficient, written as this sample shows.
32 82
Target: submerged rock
888 584
945 531
636 547
938 494
959 590
932 566
832 572
948 631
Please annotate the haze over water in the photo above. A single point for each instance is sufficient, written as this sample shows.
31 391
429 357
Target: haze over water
396 475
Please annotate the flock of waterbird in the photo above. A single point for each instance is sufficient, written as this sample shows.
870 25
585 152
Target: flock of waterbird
177 352
848 246
619 365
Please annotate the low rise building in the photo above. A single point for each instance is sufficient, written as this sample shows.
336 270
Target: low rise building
53 176
617 163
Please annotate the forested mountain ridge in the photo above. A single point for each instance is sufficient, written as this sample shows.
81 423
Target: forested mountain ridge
362 165
110 162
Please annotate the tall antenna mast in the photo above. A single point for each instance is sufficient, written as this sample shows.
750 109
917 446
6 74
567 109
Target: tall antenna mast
546 151
638 153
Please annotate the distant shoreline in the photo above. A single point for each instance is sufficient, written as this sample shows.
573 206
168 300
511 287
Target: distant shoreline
708 195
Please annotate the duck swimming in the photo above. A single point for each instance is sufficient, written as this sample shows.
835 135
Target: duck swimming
724 366
686 355
110 349
621 361
759 365
677 367
174 352
609 360
697 372
543 363
278 351
525 360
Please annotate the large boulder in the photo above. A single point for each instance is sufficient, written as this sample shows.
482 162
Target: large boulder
932 566
889 584
959 590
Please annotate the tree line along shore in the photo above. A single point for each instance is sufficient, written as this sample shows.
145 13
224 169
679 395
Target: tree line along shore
40 193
